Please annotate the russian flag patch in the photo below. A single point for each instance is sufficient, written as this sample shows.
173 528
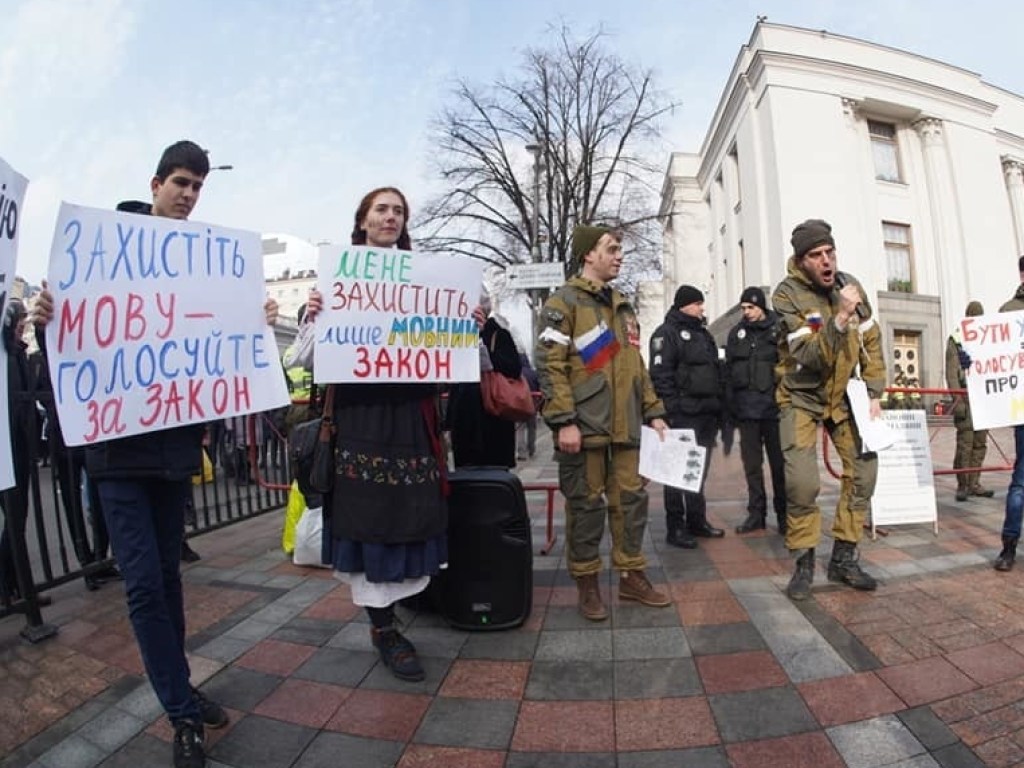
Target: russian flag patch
597 346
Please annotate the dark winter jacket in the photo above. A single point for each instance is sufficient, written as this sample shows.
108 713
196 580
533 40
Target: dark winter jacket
685 368
22 415
478 438
751 354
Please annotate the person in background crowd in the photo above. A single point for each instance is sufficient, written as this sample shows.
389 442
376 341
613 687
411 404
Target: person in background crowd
480 439
687 376
751 354
387 514
24 427
830 333
144 483
597 396
526 431
971 444
1015 493
69 469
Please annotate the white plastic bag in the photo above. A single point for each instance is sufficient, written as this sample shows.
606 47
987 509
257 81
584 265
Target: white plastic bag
309 533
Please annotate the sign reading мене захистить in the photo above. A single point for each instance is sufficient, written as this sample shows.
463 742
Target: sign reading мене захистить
393 315
12 193
157 323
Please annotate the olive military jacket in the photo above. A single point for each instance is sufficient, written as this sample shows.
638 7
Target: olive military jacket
589 365
816 359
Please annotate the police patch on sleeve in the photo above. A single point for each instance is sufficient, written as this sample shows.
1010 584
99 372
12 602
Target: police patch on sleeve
657 360
657 343
742 333
684 335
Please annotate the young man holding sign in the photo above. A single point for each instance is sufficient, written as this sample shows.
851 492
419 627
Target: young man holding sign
1015 493
144 484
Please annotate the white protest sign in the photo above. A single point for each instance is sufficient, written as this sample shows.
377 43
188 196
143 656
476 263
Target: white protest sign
677 460
905 490
995 378
12 195
157 323
393 315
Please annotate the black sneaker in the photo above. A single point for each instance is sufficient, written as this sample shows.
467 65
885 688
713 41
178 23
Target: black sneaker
398 654
213 714
188 745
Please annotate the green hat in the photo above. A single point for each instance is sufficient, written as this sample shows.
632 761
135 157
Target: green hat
584 240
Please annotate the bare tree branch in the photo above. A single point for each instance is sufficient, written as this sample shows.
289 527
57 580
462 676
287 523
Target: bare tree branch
595 119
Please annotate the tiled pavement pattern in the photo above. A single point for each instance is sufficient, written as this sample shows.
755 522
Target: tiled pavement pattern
928 671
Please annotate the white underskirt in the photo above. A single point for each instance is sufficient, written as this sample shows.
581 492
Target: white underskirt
377 594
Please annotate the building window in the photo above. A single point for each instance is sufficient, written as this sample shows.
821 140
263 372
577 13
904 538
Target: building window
906 363
897 257
884 151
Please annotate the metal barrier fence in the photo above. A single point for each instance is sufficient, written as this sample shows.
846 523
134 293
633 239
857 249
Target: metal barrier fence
943 402
61 540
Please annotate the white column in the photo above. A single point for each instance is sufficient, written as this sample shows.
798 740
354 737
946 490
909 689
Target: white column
1013 172
945 215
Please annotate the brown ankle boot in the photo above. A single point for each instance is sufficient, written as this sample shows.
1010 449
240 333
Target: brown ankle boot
590 604
634 586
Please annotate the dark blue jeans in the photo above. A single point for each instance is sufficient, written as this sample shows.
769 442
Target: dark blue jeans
1015 494
145 519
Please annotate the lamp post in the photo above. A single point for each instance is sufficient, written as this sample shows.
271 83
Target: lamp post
534 149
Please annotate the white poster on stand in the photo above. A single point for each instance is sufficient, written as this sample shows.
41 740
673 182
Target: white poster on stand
157 323
12 195
905 491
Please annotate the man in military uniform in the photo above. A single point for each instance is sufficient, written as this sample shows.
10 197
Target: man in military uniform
688 378
971 444
597 395
830 332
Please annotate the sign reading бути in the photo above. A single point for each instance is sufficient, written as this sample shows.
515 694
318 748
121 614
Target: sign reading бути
995 378
157 323
393 315
12 194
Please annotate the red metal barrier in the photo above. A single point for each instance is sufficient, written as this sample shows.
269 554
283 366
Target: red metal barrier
551 489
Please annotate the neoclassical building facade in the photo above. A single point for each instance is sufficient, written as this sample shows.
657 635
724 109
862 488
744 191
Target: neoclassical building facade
917 164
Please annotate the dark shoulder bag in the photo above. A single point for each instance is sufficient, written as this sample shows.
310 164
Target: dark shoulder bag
311 449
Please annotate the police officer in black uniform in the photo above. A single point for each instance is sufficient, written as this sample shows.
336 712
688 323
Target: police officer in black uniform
687 376
751 354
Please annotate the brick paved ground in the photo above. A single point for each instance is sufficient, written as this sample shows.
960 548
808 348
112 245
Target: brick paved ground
928 671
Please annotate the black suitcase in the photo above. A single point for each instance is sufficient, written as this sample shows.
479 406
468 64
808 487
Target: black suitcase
488 583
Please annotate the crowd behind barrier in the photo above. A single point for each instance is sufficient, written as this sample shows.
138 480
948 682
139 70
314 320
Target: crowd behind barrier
246 475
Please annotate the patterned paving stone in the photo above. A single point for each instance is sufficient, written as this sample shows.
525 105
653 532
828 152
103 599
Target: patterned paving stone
925 681
303 702
578 726
849 698
275 657
425 756
875 742
656 678
649 643
484 679
761 714
560 760
698 757
644 724
729 673
556 680
724 638
259 742
484 724
804 750
380 715
989 663
324 751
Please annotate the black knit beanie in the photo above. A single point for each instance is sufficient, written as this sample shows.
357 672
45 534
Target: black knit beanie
754 295
810 235
687 295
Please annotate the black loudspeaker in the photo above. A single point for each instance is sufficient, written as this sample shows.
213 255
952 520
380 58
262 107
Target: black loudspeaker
488 583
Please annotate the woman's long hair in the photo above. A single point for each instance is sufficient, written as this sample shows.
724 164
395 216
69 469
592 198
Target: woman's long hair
359 234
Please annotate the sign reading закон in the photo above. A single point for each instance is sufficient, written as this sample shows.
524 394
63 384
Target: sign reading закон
12 194
393 315
157 323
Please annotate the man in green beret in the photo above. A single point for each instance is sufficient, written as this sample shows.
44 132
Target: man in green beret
597 395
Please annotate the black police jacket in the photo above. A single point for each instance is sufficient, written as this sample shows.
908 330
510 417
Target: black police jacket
751 354
684 367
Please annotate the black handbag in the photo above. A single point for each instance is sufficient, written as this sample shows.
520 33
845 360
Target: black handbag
311 450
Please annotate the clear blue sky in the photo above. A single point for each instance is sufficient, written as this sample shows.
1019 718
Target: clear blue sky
316 102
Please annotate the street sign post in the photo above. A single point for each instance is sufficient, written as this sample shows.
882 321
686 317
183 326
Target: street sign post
547 274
